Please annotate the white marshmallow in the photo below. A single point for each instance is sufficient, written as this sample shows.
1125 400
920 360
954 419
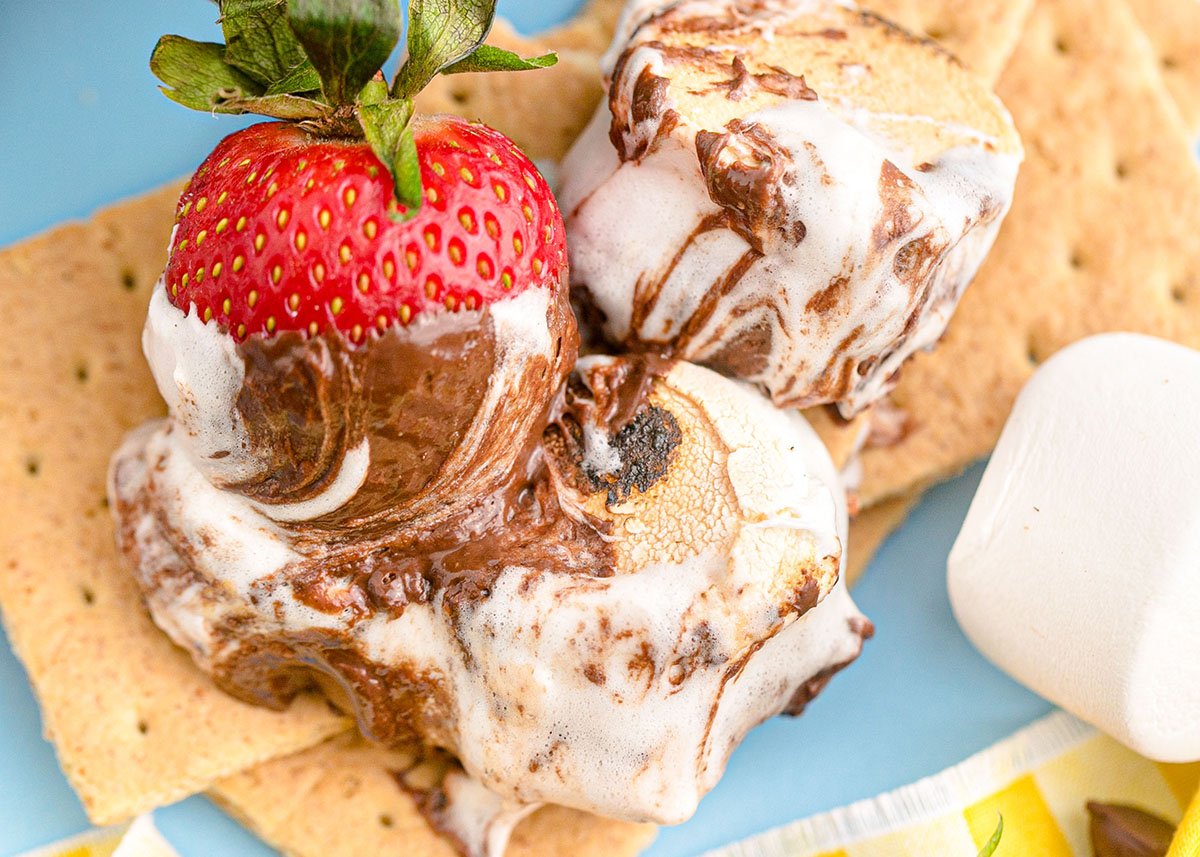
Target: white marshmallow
1077 570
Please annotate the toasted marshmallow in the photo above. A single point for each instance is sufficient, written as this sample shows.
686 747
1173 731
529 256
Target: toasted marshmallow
670 581
1076 570
794 193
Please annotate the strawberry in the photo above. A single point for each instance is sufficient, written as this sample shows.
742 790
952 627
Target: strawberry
354 215
281 230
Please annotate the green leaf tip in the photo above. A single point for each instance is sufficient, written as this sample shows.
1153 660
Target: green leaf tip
440 33
490 58
346 40
388 129
196 75
325 53
989 847
259 42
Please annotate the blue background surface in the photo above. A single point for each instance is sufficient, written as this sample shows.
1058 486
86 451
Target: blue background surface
82 125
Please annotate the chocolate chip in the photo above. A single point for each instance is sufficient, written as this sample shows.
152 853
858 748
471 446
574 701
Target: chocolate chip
1126 831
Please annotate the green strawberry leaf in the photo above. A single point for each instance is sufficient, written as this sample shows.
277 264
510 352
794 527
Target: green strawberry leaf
196 75
388 130
375 91
283 106
303 78
989 847
347 40
259 42
489 58
440 33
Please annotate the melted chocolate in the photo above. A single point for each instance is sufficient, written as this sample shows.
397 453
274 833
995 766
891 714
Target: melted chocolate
647 107
777 81
398 558
413 395
643 436
305 403
744 169
809 690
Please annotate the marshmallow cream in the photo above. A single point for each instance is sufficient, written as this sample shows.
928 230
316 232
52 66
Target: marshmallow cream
758 194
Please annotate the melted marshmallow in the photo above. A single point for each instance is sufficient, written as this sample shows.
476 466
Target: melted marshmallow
531 721
886 246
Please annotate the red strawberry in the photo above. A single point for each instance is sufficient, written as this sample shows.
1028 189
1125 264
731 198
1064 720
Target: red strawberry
281 230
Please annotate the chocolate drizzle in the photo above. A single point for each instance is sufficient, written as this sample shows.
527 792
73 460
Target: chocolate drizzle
744 169
647 292
641 115
809 690
777 81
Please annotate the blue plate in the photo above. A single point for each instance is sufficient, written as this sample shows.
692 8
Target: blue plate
83 126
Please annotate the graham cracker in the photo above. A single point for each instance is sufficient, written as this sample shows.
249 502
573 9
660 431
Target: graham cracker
1102 236
841 437
340 800
981 33
1174 30
135 724
590 30
542 110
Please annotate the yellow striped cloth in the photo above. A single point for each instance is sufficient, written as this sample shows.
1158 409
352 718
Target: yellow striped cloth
1187 837
1039 780
94 843
139 839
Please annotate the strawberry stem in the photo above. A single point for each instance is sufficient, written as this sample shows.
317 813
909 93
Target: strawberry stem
316 62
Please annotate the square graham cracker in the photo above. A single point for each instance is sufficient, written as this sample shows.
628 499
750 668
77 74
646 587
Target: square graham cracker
1103 235
870 528
134 722
340 800
981 33
1174 30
